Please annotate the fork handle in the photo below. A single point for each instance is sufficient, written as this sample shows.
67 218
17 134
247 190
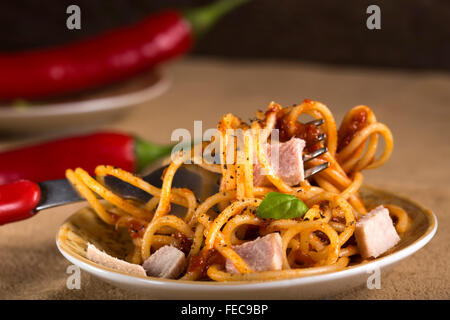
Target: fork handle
18 200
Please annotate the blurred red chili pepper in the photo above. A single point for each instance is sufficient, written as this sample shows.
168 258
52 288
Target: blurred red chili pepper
108 57
49 160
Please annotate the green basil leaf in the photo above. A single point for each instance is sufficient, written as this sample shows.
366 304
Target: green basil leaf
277 205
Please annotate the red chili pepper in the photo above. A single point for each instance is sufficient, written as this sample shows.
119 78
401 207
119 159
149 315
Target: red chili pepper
49 160
108 57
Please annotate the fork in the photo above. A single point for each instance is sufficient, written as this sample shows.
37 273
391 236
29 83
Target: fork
309 156
23 199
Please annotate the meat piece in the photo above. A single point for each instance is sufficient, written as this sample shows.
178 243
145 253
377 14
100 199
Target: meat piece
167 262
375 233
262 254
290 167
106 260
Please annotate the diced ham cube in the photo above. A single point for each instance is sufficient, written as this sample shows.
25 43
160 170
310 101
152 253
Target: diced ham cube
167 262
262 254
106 260
375 233
290 167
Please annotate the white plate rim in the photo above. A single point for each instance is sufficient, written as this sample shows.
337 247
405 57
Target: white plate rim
117 276
91 105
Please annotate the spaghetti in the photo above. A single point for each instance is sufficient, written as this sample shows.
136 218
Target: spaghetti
320 241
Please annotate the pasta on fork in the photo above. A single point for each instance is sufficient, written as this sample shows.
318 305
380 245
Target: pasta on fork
267 221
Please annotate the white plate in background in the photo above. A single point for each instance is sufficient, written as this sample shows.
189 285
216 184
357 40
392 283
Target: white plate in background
85 109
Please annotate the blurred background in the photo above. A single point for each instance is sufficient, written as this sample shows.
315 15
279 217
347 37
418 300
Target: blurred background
415 34
265 50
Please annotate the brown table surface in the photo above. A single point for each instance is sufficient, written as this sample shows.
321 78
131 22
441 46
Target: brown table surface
415 105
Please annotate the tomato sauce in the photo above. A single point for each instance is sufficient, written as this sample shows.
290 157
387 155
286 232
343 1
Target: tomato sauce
348 131
135 229
308 132
185 243
201 262
303 259
252 232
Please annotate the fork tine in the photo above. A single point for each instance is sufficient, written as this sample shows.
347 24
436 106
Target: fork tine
316 122
321 137
314 154
312 171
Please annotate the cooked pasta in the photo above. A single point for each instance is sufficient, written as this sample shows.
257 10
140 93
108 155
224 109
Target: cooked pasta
321 240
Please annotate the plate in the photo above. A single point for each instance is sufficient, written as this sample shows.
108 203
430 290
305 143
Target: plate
84 226
88 108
